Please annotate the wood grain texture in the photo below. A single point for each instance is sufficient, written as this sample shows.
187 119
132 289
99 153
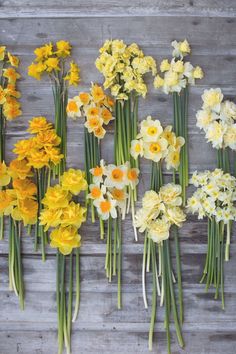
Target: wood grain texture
210 27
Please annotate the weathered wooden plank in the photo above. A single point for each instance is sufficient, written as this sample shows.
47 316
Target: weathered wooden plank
203 33
98 309
79 8
40 276
193 236
86 341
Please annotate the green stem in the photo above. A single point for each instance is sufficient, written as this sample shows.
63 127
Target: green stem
77 274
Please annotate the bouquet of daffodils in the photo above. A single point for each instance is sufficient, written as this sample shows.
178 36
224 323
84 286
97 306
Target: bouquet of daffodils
65 216
158 213
177 75
215 199
53 61
18 202
217 118
96 107
10 107
124 68
159 145
40 152
108 193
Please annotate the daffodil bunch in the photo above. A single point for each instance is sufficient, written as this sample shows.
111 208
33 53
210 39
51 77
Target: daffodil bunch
157 144
215 199
10 107
160 211
124 68
176 76
64 216
40 152
108 193
18 201
53 60
217 118
96 108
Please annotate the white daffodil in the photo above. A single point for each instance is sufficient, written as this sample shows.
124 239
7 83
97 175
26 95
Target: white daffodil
150 129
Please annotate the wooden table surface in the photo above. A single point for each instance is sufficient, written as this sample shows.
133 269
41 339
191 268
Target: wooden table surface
210 27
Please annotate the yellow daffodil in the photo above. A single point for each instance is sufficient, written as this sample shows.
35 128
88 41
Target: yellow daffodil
24 188
50 218
4 176
7 201
14 61
56 197
11 74
63 48
2 52
65 239
73 181
19 169
43 52
26 210
35 70
38 159
74 215
52 64
39 124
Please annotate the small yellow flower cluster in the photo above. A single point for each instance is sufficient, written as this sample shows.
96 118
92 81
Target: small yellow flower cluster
215 195
9 95
51 59
155 143
108 190
62 213
41 150
217 119
95 106
18 200
123 67
177 74
159 211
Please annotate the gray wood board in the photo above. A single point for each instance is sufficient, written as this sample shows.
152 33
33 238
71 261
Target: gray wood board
211 29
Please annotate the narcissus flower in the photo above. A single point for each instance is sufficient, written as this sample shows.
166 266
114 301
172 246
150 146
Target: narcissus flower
63 48
7 201
19 169
50 218
4 176
74 181
26 210
56 197
73 214
106 208
65 239
39 124
24 188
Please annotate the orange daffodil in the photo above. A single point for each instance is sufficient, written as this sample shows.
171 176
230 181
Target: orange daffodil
95 106
10 107
110 194
53 60
108 190
37 156
17 201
